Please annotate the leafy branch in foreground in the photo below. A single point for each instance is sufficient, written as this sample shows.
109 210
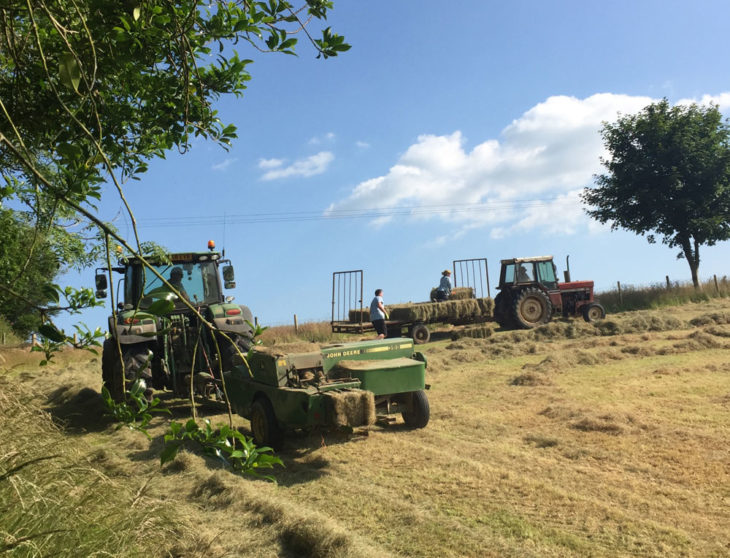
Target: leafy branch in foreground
136 412
227 444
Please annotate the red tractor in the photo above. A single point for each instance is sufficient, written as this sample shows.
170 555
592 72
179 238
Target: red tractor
529 294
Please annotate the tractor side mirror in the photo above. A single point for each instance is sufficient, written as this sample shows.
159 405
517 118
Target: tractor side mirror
229 277
101 285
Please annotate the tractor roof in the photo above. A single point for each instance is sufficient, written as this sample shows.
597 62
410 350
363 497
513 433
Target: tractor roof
180 257
527 260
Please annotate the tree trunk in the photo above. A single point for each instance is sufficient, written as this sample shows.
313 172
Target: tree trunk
693 259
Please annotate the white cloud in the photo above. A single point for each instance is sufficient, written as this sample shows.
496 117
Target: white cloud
309 166
328 137
224 164
270 163
529 178
362 144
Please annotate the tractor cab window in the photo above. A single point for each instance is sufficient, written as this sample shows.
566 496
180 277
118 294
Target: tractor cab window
523 272
546 272
197 282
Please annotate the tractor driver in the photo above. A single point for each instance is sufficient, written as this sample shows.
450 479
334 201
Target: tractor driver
176 275
522 276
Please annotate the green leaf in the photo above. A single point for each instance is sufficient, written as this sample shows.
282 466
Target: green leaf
161 307
169 451
69 72
50 332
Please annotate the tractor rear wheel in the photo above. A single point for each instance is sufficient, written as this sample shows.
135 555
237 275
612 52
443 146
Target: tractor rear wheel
593 312
264 426
420 334
532 307
418 411
137 364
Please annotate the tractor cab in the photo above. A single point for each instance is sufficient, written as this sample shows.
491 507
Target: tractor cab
524 271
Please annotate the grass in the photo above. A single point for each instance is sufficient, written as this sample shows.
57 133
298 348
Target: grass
659 295
573 439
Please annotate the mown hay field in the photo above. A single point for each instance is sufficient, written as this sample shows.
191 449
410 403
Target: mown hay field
573 439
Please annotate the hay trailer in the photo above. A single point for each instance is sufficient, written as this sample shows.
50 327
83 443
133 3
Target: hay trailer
343 385
470 303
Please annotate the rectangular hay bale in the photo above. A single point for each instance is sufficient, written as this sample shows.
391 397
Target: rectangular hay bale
350 407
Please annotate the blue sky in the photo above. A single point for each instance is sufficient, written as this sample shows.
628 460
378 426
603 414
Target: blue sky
460 129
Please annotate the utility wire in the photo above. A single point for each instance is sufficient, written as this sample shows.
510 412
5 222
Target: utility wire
340 214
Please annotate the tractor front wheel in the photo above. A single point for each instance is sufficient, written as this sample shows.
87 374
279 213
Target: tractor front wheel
264 426
531 308
420 334
231 352
418 412
593 312
137 364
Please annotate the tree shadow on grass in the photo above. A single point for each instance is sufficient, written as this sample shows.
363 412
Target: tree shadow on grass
77 411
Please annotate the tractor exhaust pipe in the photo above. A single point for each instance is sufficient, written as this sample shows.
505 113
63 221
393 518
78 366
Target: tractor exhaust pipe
566 273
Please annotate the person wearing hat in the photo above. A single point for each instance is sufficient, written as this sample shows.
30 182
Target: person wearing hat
444 289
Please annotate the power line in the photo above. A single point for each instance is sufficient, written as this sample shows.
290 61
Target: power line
341 214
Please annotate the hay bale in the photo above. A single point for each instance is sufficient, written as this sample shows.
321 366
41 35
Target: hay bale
461 293
357 315
457 293
350 407
448 311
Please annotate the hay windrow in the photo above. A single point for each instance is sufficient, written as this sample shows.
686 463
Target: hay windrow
717 318
530 379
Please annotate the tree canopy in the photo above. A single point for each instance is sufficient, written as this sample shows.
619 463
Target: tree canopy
91 91
668 175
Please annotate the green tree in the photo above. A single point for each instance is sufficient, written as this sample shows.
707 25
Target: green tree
25 274
90 91
669 175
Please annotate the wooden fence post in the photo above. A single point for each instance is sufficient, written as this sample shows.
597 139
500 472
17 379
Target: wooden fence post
717 287
256 321
296 325
33 340
620 296
669 285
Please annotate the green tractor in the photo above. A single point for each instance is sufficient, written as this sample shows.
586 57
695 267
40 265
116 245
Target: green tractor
530 294
165 351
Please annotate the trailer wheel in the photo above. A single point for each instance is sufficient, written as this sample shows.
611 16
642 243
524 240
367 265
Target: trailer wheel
420 334
532 308
593 312
137 364
264 426
418 411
